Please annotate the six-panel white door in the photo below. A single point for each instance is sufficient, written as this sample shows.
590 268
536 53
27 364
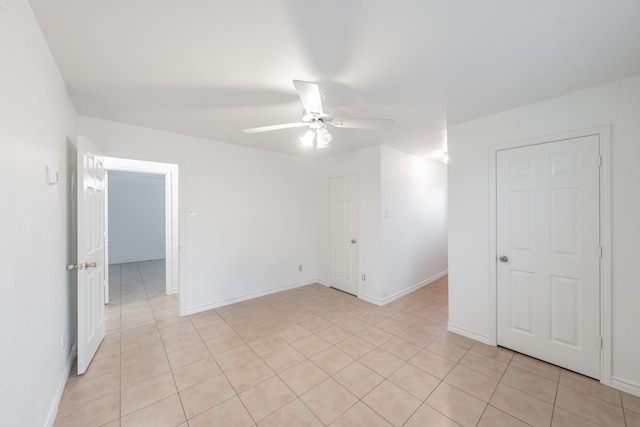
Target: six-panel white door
343 233
91 256
548 247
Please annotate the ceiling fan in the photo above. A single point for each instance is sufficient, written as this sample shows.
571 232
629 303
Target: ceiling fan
316 118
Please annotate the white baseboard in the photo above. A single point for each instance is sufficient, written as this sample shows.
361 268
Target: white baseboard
626 386
62 382
123 261
469 334
400 294
369 299
198 309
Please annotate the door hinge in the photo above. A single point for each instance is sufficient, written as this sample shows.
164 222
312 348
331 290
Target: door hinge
600 343
599 251
600 161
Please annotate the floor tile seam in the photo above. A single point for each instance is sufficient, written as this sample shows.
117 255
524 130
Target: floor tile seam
580 415
587 420
164 340
553 405
465 392
514 416
632 411
184 412
453 361
539 376
448 360
381 415
77 407
190 364
176 335
311 410
445 415
67 413
406 363
555 395
138 361
211 407
330 377
497 385
597 397
255 385
177 393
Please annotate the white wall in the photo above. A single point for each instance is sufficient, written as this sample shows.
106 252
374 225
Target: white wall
413 222
36 220
257 212
136 216
366 163
616 104
409 248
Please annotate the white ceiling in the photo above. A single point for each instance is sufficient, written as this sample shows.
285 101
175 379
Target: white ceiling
210 68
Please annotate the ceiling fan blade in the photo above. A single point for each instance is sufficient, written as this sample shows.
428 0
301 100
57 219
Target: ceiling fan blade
274 127
310 97
363 123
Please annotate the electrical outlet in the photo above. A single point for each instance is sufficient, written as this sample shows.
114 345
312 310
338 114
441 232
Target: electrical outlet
364 277
300 267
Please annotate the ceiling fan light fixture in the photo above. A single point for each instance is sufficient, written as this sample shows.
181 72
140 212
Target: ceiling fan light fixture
307 138
324 138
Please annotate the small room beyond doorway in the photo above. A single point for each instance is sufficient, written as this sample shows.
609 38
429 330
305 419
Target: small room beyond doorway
136 221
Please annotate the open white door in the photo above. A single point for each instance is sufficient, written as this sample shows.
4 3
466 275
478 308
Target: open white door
90 261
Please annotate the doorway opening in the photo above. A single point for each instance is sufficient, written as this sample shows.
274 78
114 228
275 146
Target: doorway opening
168 172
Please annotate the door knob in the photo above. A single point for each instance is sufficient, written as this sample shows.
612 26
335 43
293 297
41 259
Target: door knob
503 258
353 241
82 266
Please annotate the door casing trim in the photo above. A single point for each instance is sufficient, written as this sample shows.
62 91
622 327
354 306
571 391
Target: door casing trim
604 134
172 238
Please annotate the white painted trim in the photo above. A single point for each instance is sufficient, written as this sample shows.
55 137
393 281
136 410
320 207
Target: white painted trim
222 303
626 386
606 329
400 294
106 236
370 300
62 382
469 334
604 134
170 172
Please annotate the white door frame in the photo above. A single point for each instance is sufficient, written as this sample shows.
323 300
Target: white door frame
170 172
604 133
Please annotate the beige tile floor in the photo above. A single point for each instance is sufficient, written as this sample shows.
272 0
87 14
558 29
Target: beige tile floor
314 356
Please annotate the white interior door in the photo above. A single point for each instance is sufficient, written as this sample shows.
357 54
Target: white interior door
343 233
91 256
548 243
